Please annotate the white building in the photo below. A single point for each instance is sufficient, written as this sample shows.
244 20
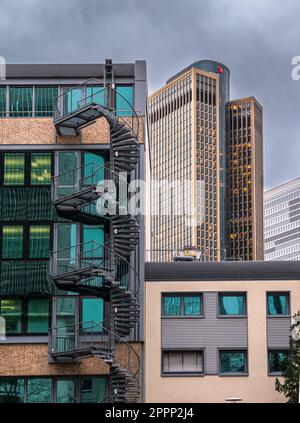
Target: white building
282 221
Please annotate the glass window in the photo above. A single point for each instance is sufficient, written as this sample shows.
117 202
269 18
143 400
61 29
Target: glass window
67 171
65 391
39 241
96 94
39 390
92 389
12 242
182 305
233 362
124 100
14 166
92 311
41 168
72 99
183 361
11 310
276 359
44 98
11 390
232 304
66 245
93 168
278 304
38 315
65 311
2 101
20 101
92 236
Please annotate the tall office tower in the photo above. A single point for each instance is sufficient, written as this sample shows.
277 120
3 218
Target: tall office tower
282 221
64 132
245 179
189 142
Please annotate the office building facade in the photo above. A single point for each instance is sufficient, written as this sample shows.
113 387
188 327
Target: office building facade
190 141
282 221
67 263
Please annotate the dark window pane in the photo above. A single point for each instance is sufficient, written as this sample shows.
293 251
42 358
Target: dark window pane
14 164
44 97
20 101
11 390
11 310
192 305
39 241
65 391
92 311
276 358
38 315
12 242
232 362
172 306
124 100
2 101
278 304
232 305
39 390
92 389
40 168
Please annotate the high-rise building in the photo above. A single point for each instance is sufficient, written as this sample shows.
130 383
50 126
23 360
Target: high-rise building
71 272
191 146
282 221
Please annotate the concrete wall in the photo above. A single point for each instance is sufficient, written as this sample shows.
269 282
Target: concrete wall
257 386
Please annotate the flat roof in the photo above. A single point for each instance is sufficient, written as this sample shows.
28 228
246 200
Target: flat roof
222 271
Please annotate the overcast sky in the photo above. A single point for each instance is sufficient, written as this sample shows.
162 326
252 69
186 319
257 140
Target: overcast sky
256 39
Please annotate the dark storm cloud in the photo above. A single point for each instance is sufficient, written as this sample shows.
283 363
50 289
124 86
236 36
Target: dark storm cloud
255 38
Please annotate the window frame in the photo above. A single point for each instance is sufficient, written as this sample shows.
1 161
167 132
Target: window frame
182 295
231 294
182 374
275 350
233 350
278 316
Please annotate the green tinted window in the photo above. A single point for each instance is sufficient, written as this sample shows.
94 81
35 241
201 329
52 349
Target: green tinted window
40 169
92 311
44 97
20 101
11 390
11 310
65 391
65 311
72 99
276 360
232 362
2 101
39 241
182 305
12 242
92 389
68 172
96 94
38 315
124 100
172 306
93 168
14 165
39 390
278 304
192 305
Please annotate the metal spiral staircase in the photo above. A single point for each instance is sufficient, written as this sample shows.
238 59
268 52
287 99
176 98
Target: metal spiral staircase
92 197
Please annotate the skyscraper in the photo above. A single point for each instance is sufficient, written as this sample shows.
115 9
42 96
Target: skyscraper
191 154
282 221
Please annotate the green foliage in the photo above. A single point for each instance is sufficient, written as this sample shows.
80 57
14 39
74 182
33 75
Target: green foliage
289 387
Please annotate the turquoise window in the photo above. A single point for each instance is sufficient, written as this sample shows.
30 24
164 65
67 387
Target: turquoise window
276 360
39 241
2 101
72 100
12 241
44 98
40 169
11 310
66 245
172 306
92 311
192 305
96 94
65 312
11 390
92 237
278 304
20 101
233 362
39 390
38 315
124 100
92 389
232 304
65 391
68 172
93 168
14 168
182 305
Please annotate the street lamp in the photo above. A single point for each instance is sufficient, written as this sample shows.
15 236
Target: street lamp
296 337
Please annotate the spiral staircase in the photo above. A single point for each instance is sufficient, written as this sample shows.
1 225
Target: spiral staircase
93 268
